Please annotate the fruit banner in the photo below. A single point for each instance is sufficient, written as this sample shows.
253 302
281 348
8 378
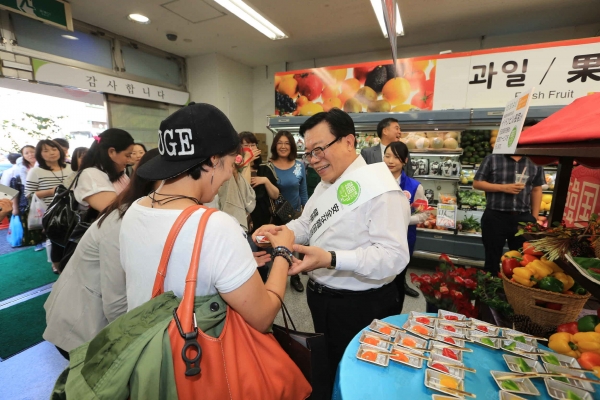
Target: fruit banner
560 72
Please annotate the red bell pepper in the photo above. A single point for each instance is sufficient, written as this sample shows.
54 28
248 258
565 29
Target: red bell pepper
508 264
589 360
570 327
529 249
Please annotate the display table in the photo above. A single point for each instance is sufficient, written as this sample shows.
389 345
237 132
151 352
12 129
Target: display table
357 379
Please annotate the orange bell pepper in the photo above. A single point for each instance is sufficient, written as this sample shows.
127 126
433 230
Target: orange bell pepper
589 360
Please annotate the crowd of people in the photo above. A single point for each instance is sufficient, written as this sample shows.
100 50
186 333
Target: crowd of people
354 235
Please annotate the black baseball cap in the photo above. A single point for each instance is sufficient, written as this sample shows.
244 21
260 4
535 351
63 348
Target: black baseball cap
188 137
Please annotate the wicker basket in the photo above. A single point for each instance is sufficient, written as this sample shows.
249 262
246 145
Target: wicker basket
522 299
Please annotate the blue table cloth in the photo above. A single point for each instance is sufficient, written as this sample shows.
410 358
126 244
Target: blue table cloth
361 380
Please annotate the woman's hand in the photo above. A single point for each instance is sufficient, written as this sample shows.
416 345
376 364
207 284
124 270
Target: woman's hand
256 152
261 257
258 180
284 237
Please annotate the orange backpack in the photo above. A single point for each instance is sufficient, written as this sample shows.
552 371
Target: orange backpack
242 363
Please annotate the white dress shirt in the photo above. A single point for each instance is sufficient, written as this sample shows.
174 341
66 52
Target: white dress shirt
370 241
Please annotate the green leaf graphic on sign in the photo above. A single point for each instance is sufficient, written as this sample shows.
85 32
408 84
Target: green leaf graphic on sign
37 64
348 192
512 136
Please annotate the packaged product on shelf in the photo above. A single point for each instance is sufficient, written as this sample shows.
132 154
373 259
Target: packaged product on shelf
447 198
422 166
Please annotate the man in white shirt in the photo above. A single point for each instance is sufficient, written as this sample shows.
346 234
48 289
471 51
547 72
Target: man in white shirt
355 252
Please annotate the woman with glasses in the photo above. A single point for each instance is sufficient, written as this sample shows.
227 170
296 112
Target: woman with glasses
291 179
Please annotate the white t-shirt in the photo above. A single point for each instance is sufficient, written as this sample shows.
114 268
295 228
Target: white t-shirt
93 181
226 262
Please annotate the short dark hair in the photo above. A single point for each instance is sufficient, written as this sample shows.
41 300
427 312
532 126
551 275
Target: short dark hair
399 150
78 152
13 157
51 143
248 137
97 156
143 147
196 172
62 142
340 123
25 162
384 123
293 149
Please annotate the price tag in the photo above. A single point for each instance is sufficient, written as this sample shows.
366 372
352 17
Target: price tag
446 216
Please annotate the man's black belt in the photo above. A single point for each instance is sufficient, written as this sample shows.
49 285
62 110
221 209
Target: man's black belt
321 289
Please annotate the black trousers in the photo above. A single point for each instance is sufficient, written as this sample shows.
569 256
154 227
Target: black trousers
498 227
399 281
341 317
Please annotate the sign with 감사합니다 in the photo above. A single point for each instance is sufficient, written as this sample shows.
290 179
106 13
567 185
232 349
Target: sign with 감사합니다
512 124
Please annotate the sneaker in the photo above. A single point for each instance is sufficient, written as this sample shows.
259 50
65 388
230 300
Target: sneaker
39 247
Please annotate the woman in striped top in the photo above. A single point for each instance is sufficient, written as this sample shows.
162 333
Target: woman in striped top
43 180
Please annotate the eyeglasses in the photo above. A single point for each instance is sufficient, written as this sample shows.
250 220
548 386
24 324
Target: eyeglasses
318 152
283 144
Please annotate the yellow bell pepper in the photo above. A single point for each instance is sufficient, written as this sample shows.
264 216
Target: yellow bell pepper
542 269
551 264
523 276
562 343
596 370
587 341
567 280
597 328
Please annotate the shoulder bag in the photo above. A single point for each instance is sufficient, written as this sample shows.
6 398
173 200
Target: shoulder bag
281 209
241 363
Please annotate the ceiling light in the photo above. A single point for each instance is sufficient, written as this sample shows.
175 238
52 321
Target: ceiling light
139 18
377 7
70 37
252 18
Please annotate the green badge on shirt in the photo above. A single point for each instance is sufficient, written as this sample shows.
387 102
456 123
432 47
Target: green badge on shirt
348 192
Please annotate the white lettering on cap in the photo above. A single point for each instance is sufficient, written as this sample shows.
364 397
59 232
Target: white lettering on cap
170 143
184 138
161 143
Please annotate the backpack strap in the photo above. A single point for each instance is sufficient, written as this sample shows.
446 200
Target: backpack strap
161 273
270 165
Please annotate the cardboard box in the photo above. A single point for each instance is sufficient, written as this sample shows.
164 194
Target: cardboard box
262 146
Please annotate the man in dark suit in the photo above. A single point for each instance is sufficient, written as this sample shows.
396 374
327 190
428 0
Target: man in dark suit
388 131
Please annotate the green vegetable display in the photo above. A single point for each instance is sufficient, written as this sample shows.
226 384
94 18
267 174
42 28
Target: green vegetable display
520 339
572 396
487 341
509 385
560 378
578 289
476 145
510 346
550 359
523 366
551 284
471 198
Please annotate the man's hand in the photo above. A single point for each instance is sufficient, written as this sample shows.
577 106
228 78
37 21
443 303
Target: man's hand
283 237
261 257
513 188
314 258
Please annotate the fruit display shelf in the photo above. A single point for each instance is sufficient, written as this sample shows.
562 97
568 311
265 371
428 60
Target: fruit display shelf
436 178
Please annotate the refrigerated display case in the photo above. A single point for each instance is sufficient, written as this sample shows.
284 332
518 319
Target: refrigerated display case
441 171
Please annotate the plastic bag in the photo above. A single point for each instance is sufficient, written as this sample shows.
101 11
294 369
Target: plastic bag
15 232
36 213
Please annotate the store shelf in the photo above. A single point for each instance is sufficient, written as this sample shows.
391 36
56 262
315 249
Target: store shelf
467 207
435 178
470 166
466 187
437 153
468 234
428 255
436 231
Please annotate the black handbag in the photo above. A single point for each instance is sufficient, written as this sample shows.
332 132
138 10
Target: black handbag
63 215
309 353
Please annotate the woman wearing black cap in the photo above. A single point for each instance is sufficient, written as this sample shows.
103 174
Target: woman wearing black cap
198 146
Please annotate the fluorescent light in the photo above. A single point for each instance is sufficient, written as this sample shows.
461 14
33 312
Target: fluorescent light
379 14
139 18
244 12
70 37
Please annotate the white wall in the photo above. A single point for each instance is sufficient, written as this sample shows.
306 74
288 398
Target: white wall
218 80
264 97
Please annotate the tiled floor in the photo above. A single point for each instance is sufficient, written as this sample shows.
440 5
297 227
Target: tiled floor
31 374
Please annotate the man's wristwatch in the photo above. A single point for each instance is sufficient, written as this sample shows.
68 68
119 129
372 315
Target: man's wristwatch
281 251
333 260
